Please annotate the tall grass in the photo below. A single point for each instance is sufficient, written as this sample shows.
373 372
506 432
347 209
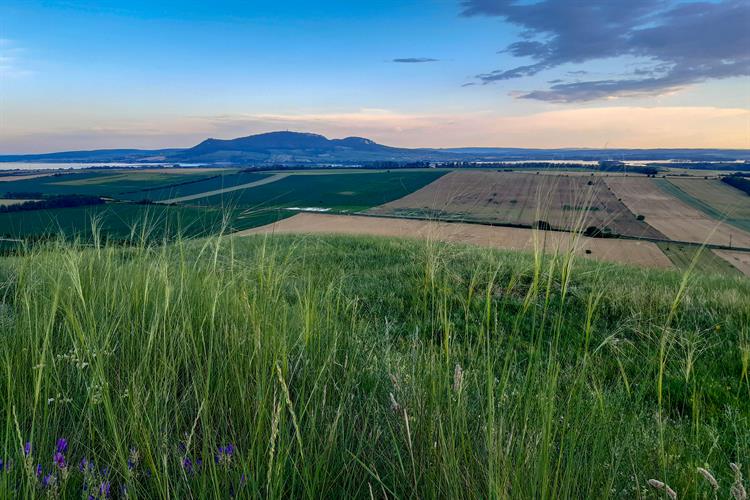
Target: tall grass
355 367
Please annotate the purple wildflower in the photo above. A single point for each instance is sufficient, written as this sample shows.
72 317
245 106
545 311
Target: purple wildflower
2 465
62 445
187 464
225 454
48 481
27 449
83 464
104 489
38 470
59 460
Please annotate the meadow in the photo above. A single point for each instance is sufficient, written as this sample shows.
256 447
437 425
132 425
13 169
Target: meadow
364 367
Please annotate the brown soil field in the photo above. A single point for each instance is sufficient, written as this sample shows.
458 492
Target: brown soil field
639 253
672 217
7 202
740 260
521 198
730 201
10 178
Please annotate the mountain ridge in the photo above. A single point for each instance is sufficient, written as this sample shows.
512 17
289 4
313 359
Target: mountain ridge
287 147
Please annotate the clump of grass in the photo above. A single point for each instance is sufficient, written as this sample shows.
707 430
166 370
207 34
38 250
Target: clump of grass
331 367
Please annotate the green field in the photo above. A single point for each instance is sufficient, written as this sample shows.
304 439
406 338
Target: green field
225 180
337 191
101 182
359 367
125 221
703 260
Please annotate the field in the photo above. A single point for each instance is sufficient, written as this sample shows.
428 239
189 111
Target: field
336 191
639 253
130 222
115 184
740 260
574 201
671 216
701 259
713 197
342 367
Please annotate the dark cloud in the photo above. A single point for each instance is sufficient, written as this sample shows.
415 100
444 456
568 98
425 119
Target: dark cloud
415 60
680 44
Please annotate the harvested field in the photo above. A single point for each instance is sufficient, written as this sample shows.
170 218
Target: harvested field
713 197
673 217
21 177
521 198
740 260
7 202
639 253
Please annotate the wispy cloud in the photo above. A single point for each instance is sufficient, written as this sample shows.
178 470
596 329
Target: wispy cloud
415 60
679 43
10 65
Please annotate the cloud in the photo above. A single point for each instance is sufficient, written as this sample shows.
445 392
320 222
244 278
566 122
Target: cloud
678 44
10 66
415 60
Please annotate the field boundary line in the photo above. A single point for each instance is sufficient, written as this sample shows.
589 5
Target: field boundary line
206 194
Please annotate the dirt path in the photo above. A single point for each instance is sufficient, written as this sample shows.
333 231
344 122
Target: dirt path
740 260
640 253
267 180
672 217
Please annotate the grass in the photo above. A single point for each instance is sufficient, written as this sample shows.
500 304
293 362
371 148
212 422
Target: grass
363 367
342 192
702 259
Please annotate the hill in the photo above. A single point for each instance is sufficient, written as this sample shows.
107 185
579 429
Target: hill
298 148
331 367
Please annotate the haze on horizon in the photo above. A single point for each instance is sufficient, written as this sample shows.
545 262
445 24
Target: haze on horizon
85 74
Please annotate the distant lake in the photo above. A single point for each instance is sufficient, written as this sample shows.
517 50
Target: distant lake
57 166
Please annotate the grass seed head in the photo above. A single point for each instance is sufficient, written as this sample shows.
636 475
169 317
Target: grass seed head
709 477
458 378
659 485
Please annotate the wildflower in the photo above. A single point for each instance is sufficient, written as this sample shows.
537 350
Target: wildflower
48 481
2 464
104 489
225 454
27 449
187 464
83 464
59 460
709 477
38 471
664 487
62 445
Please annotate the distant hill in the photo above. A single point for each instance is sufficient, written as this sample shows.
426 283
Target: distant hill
298 148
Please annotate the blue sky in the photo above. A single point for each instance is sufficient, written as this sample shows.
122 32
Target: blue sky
90 74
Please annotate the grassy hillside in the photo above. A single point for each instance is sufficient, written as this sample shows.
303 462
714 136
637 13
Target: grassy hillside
358 367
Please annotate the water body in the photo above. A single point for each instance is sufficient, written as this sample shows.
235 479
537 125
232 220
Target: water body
77 166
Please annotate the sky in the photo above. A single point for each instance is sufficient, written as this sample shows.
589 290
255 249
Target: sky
86 74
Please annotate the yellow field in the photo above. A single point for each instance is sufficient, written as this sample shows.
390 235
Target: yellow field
672 217
521 198
639 253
